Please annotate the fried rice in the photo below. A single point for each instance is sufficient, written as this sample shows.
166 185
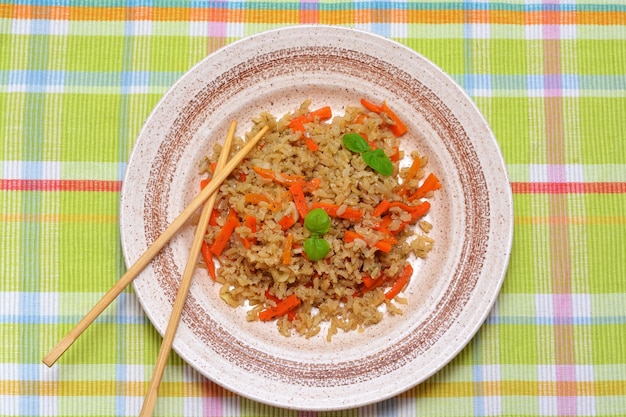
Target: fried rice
264 262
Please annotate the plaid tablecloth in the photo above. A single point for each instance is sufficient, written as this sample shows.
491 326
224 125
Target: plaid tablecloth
78 79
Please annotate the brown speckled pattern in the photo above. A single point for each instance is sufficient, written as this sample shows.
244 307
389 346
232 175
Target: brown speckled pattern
473 211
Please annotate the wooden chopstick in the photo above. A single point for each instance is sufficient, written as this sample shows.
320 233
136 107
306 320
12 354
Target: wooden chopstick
183 289
156 246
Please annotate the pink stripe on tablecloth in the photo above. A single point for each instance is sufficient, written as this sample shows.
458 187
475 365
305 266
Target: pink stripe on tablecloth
212 404
556 173
59 185
566 390
559 233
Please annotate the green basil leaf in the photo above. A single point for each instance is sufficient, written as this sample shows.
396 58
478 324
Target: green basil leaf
355 142
378 161
317 221
316 248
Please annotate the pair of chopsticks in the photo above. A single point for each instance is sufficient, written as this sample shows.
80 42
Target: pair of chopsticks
222 171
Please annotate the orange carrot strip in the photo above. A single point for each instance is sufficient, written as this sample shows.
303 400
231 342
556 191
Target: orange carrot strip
205 249
255 198
284 196
371 106
351 214
282 308
312 185
323 113
381 208
383 246
369 284
250 223
379 281
368 281
297 193
297 123
279 178
274 205
360 119
384 223
386 244
420 211
398 128
311 144
413 170
416 214
350 236
396 155
215 214
400 282
286 222
264 172
271 296
287 249
332 209
232 222
204 183
431 183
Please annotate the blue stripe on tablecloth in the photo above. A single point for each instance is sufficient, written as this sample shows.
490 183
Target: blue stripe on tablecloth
39 79
477 378
30 239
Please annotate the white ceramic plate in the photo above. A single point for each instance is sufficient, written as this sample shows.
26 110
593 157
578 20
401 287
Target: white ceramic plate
455 286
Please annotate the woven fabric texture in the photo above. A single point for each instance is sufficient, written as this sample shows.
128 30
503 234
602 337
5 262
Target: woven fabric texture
78 79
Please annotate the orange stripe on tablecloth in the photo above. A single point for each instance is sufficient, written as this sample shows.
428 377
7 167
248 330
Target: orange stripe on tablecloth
568 187
96 13
449 16
338 17
210 14
308 16
60 185
514 17
511 388
550 17
555 17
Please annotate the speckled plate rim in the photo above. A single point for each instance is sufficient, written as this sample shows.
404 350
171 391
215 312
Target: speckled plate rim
458 283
